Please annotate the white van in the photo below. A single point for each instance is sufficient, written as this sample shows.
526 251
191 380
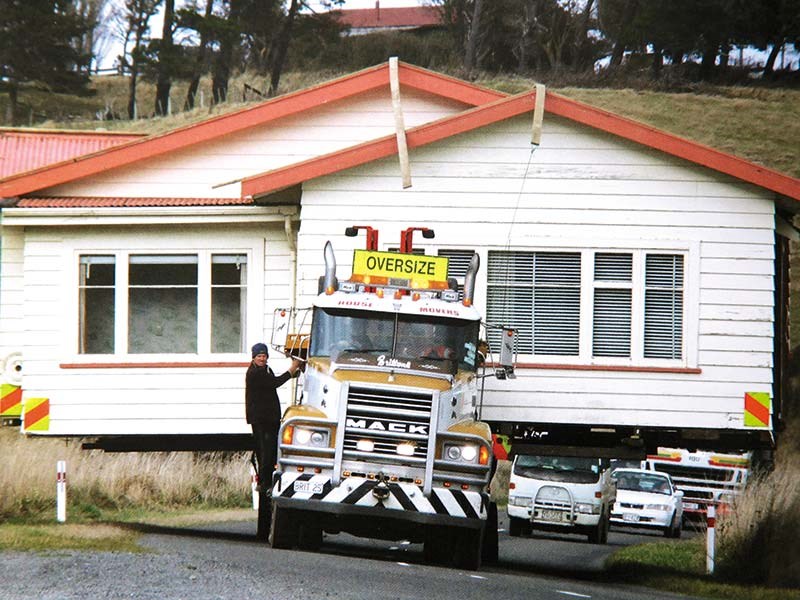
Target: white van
560 493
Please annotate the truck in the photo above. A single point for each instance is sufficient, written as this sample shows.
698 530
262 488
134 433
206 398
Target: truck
564 494
704 477
385 441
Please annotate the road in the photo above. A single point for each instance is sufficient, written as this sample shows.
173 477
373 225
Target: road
225 561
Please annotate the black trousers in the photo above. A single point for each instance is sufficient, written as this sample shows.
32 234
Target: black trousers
265 436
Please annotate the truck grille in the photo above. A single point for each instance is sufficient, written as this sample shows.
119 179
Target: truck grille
387 418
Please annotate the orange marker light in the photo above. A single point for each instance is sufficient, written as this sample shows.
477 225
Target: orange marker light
483 455
288 434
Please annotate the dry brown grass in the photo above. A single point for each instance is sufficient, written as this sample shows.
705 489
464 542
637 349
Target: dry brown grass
758 541
98 482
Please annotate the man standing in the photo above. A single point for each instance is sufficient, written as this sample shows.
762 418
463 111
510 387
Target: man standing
263 409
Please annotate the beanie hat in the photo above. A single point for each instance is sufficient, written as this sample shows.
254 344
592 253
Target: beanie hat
260 348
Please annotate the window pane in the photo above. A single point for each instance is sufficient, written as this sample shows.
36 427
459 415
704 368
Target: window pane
162 304
228 294
663 306
556 303
457 266
538 294
96 305
612 323
613 267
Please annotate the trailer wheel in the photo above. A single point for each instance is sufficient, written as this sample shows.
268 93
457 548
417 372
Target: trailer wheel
283 533
264 515
468 549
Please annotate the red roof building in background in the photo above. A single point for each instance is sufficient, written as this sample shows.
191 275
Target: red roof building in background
24 150
360 21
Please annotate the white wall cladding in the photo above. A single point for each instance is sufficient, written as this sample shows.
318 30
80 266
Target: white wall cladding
11 291
183 400
489 190
195 172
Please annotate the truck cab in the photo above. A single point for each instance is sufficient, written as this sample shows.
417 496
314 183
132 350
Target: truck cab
565 494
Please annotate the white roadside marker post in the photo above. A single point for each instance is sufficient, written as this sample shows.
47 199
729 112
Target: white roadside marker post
61 491
254 486
711 522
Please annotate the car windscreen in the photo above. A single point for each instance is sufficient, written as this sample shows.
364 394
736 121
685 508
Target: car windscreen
569 469
643 482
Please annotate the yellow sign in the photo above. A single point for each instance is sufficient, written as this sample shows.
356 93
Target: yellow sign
413 267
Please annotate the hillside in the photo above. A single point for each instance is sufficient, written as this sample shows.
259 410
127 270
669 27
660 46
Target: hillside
756 123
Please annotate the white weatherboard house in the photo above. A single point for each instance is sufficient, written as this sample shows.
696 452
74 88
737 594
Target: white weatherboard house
646 275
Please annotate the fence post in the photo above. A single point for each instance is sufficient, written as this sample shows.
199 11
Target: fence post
61 491
711 522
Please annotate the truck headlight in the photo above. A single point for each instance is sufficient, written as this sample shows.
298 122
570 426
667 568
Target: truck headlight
469 453
298 435
587 509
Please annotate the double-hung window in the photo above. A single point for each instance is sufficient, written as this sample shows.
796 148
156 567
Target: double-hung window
593 306
136 303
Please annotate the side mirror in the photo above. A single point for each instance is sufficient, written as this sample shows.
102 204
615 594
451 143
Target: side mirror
679 493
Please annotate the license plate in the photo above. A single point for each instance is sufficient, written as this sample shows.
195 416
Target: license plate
315 487
552 515
630 518
691 505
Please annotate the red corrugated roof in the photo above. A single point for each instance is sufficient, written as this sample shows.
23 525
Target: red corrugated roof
25 150
377 18
110 202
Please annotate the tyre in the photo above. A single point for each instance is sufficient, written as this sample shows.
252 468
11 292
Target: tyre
437 548
516 526
599 534
283 533
468 549
674 529
309 536
491 543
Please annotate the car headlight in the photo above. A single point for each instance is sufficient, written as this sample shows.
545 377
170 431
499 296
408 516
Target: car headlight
468 453
298 435
587 509
658 507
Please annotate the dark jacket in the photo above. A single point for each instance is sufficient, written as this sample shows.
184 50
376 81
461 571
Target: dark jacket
261 397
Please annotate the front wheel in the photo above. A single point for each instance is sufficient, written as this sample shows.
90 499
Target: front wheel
674 529
468 550
599 535
283 533
516 526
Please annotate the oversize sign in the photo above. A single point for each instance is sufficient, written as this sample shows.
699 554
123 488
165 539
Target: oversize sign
406 266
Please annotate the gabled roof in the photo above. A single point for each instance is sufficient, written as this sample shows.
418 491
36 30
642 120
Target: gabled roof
23 150
389 18
509 107
283 106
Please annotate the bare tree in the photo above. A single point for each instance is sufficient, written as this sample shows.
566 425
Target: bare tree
166 59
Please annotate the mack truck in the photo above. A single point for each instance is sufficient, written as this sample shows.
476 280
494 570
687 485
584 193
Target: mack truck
384 441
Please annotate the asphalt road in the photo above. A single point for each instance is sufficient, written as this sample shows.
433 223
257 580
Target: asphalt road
225 561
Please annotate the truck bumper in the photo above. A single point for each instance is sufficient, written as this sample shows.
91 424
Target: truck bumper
358 497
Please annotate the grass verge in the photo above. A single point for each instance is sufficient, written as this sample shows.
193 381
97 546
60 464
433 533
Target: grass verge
680 567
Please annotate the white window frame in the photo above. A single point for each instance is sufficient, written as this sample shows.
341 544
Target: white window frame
252 326
691 294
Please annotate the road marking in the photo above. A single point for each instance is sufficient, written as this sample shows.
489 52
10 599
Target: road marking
572 594
477 577
402 564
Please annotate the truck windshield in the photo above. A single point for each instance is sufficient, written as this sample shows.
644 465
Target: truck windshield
452 343
558 468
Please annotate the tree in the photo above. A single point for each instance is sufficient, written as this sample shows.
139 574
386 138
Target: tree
203 25
166 59
134 22
39 42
